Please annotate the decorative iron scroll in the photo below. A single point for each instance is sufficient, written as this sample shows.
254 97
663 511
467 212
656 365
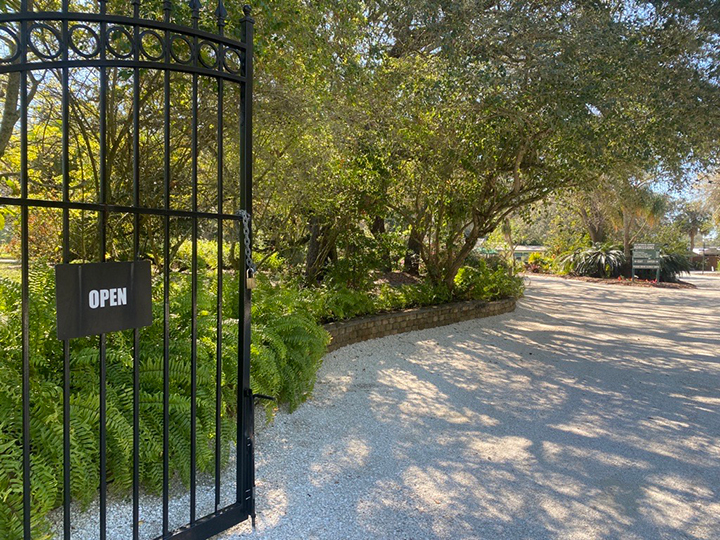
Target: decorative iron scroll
58 39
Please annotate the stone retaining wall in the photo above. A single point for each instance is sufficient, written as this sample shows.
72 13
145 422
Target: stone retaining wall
386 324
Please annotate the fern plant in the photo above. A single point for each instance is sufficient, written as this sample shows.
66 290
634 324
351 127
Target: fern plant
286 351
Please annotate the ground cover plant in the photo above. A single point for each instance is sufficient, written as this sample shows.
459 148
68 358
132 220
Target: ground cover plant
287 348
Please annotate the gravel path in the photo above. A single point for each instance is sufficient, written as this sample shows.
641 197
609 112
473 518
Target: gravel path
591 412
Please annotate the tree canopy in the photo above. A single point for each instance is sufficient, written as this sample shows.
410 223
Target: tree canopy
421 123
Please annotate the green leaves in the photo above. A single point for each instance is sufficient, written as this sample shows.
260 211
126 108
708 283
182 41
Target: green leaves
288 345
600 260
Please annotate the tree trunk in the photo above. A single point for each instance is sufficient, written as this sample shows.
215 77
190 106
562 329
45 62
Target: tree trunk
596 231
10 113
627 251
313 251
462 255
377 229
507 233
411 265
692 240
321 250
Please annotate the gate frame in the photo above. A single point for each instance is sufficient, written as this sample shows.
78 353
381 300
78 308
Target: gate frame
102 58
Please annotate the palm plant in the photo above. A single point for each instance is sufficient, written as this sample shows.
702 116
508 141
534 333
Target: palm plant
672 265
600 260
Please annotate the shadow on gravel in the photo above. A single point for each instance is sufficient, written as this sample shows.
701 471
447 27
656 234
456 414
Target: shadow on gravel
588 413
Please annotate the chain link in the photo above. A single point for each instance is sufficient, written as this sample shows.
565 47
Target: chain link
249 264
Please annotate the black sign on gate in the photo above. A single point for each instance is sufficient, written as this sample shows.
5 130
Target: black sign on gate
112 58
99 298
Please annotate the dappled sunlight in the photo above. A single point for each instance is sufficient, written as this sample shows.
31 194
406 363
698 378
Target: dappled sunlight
346 454
499 449
421 399
592 412
666 508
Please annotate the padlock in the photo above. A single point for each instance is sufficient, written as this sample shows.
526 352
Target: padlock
250 280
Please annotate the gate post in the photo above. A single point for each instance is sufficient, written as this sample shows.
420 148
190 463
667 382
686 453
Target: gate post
246 443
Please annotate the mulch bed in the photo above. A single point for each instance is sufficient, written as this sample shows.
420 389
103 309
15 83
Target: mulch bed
627 282
396 279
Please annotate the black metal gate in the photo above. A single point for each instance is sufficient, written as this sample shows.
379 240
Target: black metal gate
133 141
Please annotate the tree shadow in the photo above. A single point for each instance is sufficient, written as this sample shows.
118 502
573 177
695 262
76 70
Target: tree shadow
591 412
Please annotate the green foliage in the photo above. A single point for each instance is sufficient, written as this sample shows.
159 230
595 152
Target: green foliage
288 343
206 255
364 256
600 260
483 283
539 263
673 265
336 303
287 347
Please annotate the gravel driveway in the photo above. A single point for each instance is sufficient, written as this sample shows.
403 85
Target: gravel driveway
593 411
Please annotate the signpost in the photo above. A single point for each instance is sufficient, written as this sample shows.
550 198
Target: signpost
646 257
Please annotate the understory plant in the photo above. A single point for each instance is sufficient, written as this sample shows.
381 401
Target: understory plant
286 351
483 283
538 263
672 266
599 260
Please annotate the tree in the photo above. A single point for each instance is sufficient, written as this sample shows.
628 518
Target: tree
709 193
692 219
487 109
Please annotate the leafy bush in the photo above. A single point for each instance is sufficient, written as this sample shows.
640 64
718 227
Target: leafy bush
672 265
482 283
538 263
288 344
206 255
600 260
336 303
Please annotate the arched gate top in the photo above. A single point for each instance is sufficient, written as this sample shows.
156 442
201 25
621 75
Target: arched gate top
49 40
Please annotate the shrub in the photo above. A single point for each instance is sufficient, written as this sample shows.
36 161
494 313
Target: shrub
538 263
288 343
600 260
338 302
672 265
482 283
206 254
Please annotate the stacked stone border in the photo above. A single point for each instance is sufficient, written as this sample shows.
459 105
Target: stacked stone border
387 324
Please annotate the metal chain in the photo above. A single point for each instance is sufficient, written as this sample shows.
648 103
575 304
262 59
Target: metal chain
249 264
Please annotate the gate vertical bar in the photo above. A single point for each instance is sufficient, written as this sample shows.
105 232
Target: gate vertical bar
221 14
24 273
195 7
66 259
246 440
103 246
136 255
167 8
